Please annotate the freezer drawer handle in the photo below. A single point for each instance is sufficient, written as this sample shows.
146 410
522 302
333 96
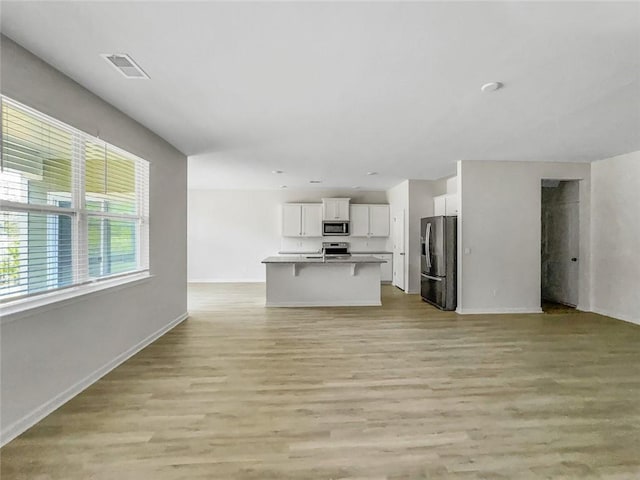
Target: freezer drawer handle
437 279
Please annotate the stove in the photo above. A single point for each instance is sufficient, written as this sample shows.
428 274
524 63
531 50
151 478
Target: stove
336 249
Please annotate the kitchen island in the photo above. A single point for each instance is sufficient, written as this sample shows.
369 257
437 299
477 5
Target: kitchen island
314 281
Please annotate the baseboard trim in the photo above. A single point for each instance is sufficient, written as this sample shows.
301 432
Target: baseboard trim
616 315
496 311
30 419
227 280
322 304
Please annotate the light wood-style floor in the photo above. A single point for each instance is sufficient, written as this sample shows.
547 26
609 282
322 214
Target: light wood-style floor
401 392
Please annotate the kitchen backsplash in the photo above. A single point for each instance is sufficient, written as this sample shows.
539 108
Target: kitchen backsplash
358 244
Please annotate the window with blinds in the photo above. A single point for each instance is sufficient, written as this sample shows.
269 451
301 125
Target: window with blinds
73 209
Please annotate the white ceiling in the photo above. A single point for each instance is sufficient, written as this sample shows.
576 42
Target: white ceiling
332 90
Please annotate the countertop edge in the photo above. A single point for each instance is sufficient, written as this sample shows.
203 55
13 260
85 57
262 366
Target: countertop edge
357 252
320 261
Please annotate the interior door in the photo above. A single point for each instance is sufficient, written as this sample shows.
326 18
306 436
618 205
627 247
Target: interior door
398 249
560 248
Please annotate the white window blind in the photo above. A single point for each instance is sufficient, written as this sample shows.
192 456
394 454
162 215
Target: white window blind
73 209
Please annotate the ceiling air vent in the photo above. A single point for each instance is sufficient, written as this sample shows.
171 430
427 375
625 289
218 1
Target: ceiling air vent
125 65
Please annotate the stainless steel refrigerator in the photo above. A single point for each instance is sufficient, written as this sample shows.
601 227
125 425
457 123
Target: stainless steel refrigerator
438 261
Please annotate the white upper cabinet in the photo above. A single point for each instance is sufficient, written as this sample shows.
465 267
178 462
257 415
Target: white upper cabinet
378 220
451 205
291 220
369 220
335 209
301 220
439 207
312 220
445 205
359 220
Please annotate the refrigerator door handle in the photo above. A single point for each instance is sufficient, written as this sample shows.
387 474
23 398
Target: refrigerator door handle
428 246
437 279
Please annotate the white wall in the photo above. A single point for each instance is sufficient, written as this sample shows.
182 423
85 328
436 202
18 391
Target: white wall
399 201
51 354
421 193
451 185
499 222
416 198
231 231
615 236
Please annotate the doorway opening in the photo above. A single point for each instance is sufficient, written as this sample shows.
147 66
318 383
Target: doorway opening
398 249
560 245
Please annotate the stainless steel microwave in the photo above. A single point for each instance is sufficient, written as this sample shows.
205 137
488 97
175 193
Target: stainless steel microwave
335 228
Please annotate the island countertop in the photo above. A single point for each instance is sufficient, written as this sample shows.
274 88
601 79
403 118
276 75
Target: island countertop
320 260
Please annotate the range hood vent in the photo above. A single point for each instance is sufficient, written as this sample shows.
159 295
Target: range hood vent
125 65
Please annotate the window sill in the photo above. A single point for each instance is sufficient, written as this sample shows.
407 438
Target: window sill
11 311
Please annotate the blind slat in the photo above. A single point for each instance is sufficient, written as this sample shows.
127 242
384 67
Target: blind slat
41 165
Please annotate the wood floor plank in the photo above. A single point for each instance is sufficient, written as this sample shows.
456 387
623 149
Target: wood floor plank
401 392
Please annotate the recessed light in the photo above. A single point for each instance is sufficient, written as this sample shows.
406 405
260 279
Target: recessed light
315 181
372 173
125 65
491 87
277 171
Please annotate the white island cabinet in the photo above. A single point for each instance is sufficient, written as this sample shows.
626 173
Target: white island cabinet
302 281
386 269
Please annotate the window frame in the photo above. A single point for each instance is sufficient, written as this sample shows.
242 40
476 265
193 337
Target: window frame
82 282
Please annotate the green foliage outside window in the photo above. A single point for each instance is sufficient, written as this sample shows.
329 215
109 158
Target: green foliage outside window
10 259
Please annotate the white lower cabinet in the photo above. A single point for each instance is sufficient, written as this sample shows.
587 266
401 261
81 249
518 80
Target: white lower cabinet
386 269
